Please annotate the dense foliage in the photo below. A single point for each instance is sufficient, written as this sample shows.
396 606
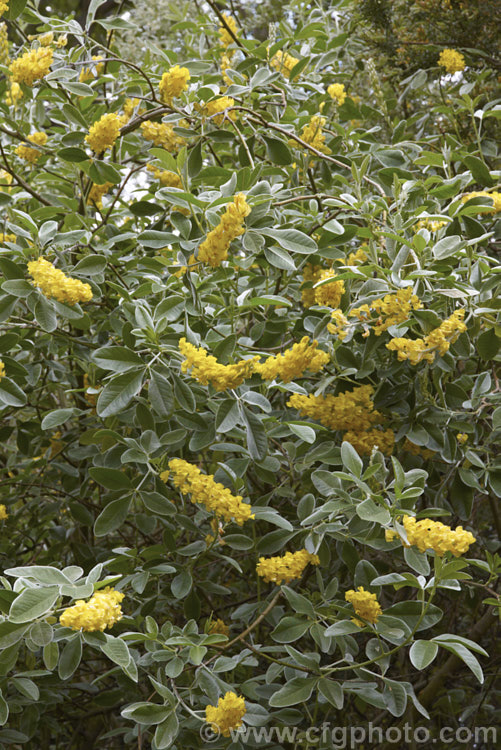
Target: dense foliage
250 411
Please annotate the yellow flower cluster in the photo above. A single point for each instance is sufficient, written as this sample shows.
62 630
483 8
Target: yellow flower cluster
167 179
130 106
437 341
102 611
365 442
428 534
32 66
206 369
220 627
392 309
365 605
162 134
217 109
7 238
95 196
224 35
5 179
3 513
417 450
2 369
87 74
452 61
4 44
351 410
214 249
225 64
32 154
294 362
339 324
283 62
286 568
227 715
462 438
360 256
496 198
329 294
312 135
54 283
173 82
13 95
206 491
430 224
104 132
336 91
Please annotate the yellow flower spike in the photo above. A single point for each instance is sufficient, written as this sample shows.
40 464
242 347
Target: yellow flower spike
214 249
427 534
101 611
162 134
104 132
32 65
285 568
227 715
337 92
205 490
294 362
365 605
55 284
174 81
452 61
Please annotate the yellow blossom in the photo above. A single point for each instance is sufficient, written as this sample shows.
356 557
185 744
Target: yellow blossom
496 199
168 179
365 442
360 256
32 154
310 273
206 491
130 105
206 369
462 438
294 362
214 249
54 283
329 294
32 66
430 224
7 238
224 35
2 369
391 309
13 95
339 324
174 81
3 510
336 91
4 44
227 715
104 132
350 410
5 179
312 135
102 611
283 62
93 71
95 196
437 341
428 534
365 605
452 61
162 134
220 108
286 568
219 626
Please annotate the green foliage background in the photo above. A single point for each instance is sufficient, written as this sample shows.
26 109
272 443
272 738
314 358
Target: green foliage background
81 456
